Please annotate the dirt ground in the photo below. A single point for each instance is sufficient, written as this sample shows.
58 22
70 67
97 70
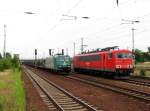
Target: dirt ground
104 99
33 99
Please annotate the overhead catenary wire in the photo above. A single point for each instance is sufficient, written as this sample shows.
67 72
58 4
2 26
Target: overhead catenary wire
74 6
99 32
120 15
122 35
144 15
99 38
116 37
69 11
79 1
106 32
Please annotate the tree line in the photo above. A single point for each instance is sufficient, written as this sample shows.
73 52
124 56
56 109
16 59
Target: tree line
8 62
141 56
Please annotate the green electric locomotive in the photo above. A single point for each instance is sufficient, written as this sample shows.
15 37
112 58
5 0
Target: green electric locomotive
58 62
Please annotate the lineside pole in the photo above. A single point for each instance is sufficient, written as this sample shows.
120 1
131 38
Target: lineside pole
133 40
74 48
4 50
81 45
35 58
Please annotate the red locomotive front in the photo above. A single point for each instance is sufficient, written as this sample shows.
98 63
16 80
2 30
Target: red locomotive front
124 62
109 62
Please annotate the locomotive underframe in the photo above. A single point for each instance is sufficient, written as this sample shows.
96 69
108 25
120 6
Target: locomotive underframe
106 72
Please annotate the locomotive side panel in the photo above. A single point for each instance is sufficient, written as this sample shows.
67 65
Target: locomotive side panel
109 62
87 62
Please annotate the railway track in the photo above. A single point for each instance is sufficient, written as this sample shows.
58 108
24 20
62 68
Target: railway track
138 81
55 97
129 92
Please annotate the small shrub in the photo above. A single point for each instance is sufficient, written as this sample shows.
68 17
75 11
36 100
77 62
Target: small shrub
142 72
1 66
7 63
1 104
1 107
15 62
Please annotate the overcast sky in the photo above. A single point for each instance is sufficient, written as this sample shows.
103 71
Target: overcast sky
47 28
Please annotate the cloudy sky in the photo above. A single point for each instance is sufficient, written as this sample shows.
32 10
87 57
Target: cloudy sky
47 28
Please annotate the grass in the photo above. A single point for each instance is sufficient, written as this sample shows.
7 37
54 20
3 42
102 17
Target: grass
141 66
12 94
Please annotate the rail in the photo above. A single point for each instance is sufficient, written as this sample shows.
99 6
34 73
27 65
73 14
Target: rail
60 98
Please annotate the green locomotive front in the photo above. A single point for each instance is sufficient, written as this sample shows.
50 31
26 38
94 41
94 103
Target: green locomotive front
58 62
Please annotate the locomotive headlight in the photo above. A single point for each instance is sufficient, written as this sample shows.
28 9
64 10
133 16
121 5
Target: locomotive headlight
131 66
118 66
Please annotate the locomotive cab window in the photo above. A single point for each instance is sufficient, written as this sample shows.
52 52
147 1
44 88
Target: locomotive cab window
124 55
61 58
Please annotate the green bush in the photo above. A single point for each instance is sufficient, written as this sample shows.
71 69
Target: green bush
1 66
7 63
1 107
15 62
142 72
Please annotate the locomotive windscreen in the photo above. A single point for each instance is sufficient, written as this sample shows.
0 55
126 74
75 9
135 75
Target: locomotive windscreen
124 55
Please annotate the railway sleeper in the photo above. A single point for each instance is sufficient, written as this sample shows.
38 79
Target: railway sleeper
80 109
71 105
71 108
65 99
61 97
70 102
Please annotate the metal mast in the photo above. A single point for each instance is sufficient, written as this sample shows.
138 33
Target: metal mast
4 50
133 39
81 45
74 48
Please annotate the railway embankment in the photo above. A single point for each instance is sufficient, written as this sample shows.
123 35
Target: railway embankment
33 99
12 93
142 69
99 97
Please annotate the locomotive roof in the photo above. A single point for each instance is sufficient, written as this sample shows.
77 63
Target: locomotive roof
98 52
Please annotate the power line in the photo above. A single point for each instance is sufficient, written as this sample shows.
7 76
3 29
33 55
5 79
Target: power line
61 19
69 11
98 32
117 37
106 30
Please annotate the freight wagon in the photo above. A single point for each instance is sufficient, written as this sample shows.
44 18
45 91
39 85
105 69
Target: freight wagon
57 63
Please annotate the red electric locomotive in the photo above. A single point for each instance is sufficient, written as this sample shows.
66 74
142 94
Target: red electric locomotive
109 61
